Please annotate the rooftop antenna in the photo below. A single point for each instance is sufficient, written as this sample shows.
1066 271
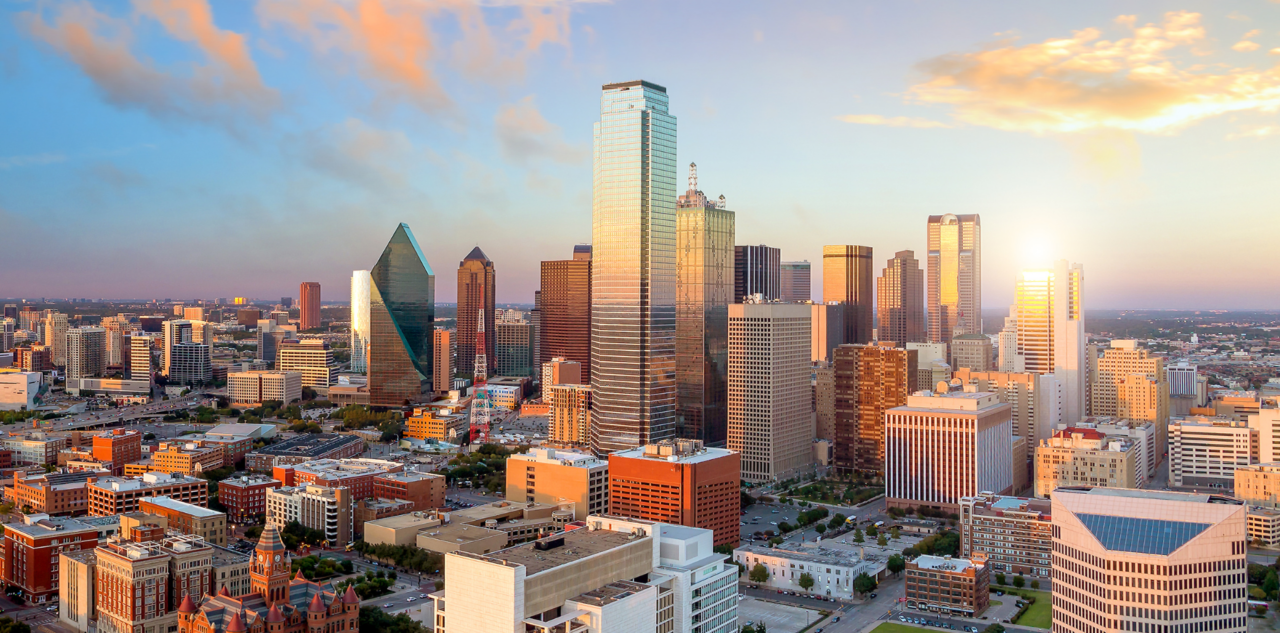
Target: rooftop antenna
693 176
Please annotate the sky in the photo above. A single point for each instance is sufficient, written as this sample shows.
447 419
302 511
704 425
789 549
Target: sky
195 149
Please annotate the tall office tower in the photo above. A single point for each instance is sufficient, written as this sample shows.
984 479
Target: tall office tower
535 320
795 281
943 447
900 300
570 420
309 305
1181 377
271 337
402 307
117 327
1131 383
756 270
704 290
826 322
175 331
770 412
476 287
1051 337
445 346
870 379
192 313
1147 560
824 397
139 362
6 333
86 352
513 355
360 320
55 337
633 269
566 307
955 276
313 359
11 311
847 278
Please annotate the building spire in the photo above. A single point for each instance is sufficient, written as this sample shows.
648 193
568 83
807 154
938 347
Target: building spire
693 176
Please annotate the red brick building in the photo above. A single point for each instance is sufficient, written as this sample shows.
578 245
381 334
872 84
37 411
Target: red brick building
276 604
118 446
55 494
424 490
245 495
31 551
356 475
679 482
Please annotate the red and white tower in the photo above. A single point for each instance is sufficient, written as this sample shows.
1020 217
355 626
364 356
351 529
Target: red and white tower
482 363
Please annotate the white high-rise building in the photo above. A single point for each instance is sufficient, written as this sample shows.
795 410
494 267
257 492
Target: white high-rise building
1181 377
7 327
86 352
770 413
55 337
360 284
117 327
1050 330
1009 359
633 270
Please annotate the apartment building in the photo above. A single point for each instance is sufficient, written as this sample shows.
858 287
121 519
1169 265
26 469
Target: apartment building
1264 527
423 491
570 420
32 547
329 510
34 448
55 494
311 358
552 476
118 447
1013 533
252 388
187 458
355 474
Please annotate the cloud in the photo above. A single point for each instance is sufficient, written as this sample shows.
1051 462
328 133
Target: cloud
355 152
397 42
1245 46
1085 83
47 158
525 136
223 89
1256 131
897 121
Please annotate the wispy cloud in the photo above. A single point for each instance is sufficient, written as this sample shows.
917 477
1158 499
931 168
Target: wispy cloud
11 162
896 121
355 152
524 135
224 88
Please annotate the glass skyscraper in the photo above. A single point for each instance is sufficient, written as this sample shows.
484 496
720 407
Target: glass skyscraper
360 320
633 272
955 276
847 278
704 290
402 307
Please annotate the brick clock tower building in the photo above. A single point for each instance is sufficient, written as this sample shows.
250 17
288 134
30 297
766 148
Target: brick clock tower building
276 604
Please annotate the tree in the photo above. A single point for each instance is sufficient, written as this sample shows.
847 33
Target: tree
1019 582
837 521
894 533
746 500
1035 584
759 574
872 530
806 581
864 583
882 541
857 536
1271 584
8 625
820 528
1000 579
896 564
994 628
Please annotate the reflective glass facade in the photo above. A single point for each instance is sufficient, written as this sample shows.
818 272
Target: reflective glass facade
566 309
402 307
955 276
633 272
900 301
848 278
704 290
360 320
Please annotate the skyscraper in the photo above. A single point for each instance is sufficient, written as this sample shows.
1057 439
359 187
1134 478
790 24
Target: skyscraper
360 320
770 419
704 290
566 308
402 307
870 379
633 270
795 281
955 276
847 278
445 345
1050 331
756 270
55 337
476 287
900 300
86 352
309 305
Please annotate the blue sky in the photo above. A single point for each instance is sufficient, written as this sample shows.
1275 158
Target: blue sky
173 148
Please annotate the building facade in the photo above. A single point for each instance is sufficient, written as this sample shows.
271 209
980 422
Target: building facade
1205 452
870 380
309 305
360 321
680 482
900 300
402 309
446 348
570 420
551 476
1015 534
955 276
972 351
795 278
948 585
244 495
565 308
252 388
1086 457
848 277
477 283
756 270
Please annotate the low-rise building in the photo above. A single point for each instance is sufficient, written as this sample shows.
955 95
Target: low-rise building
553 476
1085 457
304 448
833 571
372 509
502 396
1015 534
209 525
1259 484
519 522
187 458
244 495
355 474
31 550
425 491
954 586
436 424
118 447
1264 527
401 529
55 494
1206 451
118 495
252 388
34 448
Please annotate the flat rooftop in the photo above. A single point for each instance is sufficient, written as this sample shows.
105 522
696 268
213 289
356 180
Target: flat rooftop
309 445
678 451
940 563
819 555
402 521
610 593
496 510
576 545
183 507
458 533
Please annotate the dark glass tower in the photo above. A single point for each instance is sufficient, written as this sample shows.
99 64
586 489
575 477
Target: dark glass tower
402 307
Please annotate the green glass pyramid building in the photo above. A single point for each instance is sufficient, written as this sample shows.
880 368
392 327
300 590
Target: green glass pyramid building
402 308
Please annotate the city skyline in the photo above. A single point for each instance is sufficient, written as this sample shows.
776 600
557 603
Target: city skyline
248 115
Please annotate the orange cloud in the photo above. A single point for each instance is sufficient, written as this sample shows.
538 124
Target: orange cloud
225 87
524 134
397 42
897 121
1087 83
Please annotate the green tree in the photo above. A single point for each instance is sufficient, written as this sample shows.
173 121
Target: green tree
1019 582
1271 584
896 564
857 536
994 628
882 541
864 583
894 533
806 581
1000 579
9 625
837 521
1035 584
759 574
872 530
820 528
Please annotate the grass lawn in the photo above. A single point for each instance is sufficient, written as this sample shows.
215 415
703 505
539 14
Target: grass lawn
898 627
996 603
1040 615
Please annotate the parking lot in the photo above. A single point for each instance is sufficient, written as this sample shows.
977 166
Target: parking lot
778 618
